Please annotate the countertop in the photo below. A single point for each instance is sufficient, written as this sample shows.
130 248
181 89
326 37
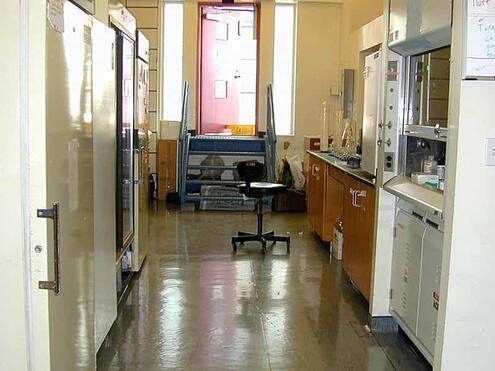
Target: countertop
420 195
341 165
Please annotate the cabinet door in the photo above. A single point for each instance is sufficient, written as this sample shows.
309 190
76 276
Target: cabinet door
167 164
316 195
320 171
406 268
351 216
334 205
363 249
431 267
69 339
311 192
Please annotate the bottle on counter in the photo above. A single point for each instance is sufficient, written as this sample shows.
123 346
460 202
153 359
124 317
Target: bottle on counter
430 165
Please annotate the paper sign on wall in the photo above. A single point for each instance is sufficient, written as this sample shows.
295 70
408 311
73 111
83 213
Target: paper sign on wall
55 14
479 55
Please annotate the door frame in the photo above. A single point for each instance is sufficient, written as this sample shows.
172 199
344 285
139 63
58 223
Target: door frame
202 5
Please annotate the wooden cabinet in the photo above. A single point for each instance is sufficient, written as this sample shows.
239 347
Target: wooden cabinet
334 200
359 221
316 196
167 168
334 195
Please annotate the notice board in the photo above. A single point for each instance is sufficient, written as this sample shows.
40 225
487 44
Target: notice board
479 53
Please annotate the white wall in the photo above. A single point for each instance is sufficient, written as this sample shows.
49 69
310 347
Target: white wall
13 342
466 333
317 69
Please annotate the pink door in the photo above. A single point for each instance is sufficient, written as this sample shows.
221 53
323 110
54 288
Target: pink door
219 86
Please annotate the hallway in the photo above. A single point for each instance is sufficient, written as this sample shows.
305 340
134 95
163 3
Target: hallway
197 306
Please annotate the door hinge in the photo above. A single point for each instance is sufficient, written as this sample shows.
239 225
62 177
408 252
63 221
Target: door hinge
395 232
45 213
391 294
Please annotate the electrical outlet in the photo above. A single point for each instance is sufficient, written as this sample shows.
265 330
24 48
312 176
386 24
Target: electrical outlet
389 160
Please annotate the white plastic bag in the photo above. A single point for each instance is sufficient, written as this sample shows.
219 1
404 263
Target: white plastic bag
296 169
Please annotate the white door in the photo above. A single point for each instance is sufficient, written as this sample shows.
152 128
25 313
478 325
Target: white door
372 94
104 169
142 166
69 322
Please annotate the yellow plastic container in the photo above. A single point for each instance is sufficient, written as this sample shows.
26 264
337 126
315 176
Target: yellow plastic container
239 129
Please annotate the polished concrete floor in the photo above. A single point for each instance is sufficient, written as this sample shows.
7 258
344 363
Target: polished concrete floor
198 306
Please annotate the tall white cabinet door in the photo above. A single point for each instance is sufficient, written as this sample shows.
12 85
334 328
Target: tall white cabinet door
69 182
104 169
371 111
142 166
406 268
429 297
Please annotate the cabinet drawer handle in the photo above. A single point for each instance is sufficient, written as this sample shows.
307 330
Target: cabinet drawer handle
359 194
353 193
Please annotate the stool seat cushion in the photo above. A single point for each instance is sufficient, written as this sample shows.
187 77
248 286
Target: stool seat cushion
262 189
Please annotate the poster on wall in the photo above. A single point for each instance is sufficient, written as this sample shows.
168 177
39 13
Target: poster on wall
479 49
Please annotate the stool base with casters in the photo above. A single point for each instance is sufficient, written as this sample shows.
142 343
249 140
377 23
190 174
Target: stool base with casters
259 236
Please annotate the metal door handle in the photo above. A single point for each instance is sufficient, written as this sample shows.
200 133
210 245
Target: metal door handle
353 193
436 131
53 214
140 180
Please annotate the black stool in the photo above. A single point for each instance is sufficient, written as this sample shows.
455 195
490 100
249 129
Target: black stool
252 172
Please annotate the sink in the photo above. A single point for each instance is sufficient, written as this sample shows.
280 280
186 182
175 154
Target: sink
333 158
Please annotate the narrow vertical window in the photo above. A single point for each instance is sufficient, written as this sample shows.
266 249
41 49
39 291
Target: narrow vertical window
283 68
172 61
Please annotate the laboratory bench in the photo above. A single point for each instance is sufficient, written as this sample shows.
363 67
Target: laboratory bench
341 195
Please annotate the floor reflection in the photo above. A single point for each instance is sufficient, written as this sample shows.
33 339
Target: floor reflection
198 306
